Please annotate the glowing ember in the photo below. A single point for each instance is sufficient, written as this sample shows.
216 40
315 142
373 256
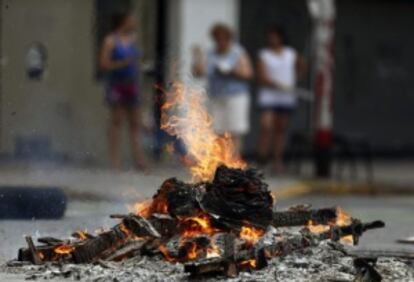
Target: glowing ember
125 230
82 235
250 234
163 249
250 263
192 252
342 219
213 252
184 115
317 228
197 225
64 249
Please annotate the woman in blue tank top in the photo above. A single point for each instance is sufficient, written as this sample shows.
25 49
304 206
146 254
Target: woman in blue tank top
119 60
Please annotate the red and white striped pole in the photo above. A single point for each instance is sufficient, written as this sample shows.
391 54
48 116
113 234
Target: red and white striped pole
323 17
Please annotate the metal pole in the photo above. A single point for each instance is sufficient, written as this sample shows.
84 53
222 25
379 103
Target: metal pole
323 17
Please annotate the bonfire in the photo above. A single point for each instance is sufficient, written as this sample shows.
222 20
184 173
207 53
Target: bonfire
222 222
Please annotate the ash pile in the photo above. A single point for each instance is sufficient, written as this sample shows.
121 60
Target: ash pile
222 229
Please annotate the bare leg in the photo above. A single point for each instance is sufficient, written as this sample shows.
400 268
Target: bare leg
265 135
114 136
134 117
281 124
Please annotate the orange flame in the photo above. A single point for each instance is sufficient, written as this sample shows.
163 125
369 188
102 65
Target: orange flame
317 228
64 249
249 263
82 235
250 234
192 252
184 115
197 225
213 252
163 249
342 219
143 208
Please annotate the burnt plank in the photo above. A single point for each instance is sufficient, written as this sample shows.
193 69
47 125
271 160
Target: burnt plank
140 227
303 217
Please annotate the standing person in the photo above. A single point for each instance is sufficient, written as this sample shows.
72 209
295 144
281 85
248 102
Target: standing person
119 60
278 68
228 69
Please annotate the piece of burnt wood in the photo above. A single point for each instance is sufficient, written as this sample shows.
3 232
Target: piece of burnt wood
45 251
82 235
164 224
140 227
303 217
355 229
51 241
129 250
35 257
365 271
224 264
225 242
151 247
91 250
212 266
239 196
177 198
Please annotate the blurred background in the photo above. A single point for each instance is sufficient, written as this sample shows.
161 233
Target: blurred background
349 141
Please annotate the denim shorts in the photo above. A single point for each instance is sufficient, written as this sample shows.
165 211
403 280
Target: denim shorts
278 109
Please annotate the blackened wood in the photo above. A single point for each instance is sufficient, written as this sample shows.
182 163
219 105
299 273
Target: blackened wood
34 253
212 266
127 251
47 251
50 241
91 249
239 196
151 247
177 198
365 271
164 224
224 264
355 229
140 227
303 217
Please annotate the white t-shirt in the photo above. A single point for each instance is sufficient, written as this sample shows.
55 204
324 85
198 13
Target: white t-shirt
281 68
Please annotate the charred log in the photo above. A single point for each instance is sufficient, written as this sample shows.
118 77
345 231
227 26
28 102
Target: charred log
355 229
239 196
303 217
140 227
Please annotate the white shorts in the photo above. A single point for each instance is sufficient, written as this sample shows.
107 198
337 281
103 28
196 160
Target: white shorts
231 113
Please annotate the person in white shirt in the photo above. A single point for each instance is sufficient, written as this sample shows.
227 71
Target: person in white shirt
278 69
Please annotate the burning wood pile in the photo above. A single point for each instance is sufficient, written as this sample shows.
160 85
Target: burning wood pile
223 222
223 227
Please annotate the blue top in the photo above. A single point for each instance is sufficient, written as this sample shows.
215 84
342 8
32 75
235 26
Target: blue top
123 51
225 85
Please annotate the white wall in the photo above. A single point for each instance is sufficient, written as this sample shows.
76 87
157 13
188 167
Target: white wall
190 22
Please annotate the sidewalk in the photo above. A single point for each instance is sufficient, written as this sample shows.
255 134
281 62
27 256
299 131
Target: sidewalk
103 184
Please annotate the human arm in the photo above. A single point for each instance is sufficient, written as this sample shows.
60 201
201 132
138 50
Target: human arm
243 69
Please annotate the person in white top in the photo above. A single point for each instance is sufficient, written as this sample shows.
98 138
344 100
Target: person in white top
278 70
